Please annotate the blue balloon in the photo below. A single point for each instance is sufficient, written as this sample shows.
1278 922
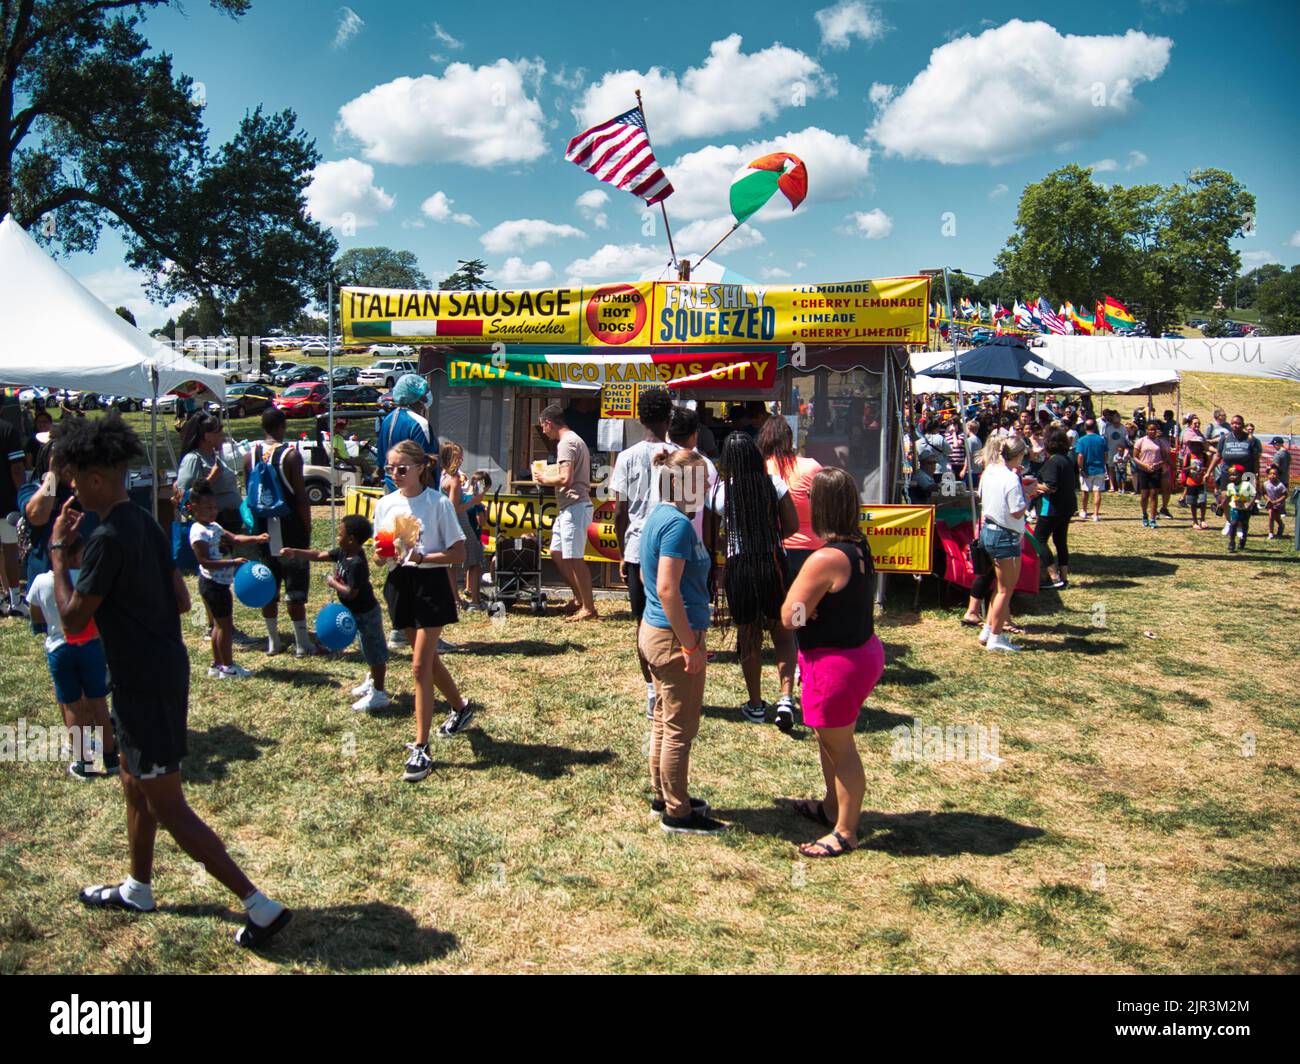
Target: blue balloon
254 585
336 627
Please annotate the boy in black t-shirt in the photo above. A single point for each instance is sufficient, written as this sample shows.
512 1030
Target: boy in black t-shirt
351 580
130 586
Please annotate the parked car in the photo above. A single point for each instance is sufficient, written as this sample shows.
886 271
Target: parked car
125 403
385 372
391 351
244 400
320 348
299 375
344 375
304 400
356 397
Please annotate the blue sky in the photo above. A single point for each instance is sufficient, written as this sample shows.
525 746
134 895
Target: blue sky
443 127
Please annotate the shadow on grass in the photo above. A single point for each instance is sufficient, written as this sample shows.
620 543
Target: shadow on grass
1247 555
878 720
919 834
303 677
1128 565
526 647
542 760
898 672
212 750
1074 644
346 937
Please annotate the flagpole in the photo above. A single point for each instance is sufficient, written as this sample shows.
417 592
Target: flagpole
662 203
715 246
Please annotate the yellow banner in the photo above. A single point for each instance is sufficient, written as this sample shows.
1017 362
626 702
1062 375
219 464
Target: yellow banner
901 537
517 516
647 314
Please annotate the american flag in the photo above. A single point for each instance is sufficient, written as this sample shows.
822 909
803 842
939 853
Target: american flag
619 152
1049 317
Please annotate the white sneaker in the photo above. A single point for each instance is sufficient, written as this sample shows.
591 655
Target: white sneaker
215 673
19 609
364 688
1001 642
236 673
372 700
1096 518
985 632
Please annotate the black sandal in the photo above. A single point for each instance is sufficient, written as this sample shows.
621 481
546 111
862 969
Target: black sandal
966 622
826 851
108 897
250 936
805 806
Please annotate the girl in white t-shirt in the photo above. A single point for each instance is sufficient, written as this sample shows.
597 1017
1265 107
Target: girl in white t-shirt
1002 500
418 590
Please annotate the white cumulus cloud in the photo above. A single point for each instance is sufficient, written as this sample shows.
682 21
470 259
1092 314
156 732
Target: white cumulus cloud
617 262
695 239
480 116
998 190
1251 260
773 273
515 273
1015 88
1103 166
520 233
1135 159
731 91
880 94
849 19
446 39
350 24
438 208
1295 239
874 224
345 192
591 205
837 170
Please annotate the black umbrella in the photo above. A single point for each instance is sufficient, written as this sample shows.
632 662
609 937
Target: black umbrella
1007 361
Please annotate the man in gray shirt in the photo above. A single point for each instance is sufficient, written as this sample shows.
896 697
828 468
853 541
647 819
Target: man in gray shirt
572 484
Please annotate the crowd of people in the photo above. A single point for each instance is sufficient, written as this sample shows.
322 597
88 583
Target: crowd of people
105 591
1038 469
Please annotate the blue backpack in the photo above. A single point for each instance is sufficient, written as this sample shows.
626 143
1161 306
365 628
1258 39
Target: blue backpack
265 497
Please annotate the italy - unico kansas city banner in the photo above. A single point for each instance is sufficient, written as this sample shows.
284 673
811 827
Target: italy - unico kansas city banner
646 314
748 371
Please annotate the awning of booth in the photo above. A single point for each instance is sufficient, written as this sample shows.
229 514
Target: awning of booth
749 370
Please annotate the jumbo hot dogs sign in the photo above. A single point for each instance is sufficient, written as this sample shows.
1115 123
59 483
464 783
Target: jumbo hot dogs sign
647 314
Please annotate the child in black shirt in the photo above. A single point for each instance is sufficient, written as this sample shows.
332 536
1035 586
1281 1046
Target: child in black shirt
351 580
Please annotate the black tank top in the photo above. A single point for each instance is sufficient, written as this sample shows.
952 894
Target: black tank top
844 618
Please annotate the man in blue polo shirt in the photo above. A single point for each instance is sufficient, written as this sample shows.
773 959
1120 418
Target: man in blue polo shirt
1091 451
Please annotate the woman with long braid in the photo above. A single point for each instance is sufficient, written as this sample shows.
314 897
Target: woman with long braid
757 514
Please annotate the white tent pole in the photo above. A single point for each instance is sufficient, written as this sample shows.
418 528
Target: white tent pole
153 441
329 314
961 397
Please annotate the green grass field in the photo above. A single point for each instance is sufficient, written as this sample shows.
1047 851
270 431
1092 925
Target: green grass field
1143 816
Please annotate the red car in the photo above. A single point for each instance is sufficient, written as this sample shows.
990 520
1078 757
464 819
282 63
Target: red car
304 400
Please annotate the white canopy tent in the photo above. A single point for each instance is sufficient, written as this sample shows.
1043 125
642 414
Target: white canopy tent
57 334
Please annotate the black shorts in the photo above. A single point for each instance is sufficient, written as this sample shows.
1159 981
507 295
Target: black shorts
794 561
217 598
1150 481
150 729
635 590
420 598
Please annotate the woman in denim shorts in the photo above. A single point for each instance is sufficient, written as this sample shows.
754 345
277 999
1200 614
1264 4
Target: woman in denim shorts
1003 502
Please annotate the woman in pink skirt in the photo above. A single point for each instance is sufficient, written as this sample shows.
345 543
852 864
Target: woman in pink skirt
829 606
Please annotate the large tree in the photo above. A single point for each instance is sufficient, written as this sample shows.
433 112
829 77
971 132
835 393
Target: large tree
380 268
1066 244
468 277
1279 303
1176 243
97 130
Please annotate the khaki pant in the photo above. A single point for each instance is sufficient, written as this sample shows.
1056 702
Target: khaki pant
679 697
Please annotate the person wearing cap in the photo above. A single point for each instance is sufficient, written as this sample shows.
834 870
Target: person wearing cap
1240 493
342 459
1282 459
409 421
1236 447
